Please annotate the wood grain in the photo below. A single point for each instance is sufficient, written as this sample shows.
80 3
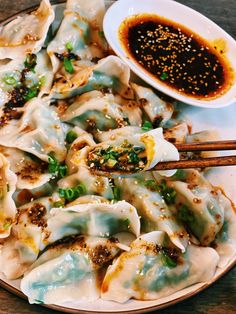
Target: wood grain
219 298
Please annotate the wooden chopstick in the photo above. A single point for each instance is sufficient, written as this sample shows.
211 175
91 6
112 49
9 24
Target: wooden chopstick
207 146
201 162
197 163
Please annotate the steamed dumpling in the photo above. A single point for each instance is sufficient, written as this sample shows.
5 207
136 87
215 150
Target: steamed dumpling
198 206
157 110
95 112
27 33
24 78
134 153
31 172
39 224
154 268
7 206
109 72
37 130
153 209
69 270
80 33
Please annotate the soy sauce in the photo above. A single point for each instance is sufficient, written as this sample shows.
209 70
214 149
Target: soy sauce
176 56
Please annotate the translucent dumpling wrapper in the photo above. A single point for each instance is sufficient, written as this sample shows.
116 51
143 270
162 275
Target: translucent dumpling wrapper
69 270
38 225
145 195
131 154
198 206
109 72
22 76
96 113
203 136
177 134
154 268
80 33
27 33
37 130
21 249
7 206
113 135
78 171
225 241
31 172
157 110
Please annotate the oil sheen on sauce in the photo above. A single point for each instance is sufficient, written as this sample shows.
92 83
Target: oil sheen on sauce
176 56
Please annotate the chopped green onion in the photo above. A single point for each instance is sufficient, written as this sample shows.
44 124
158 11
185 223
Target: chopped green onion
147 126
52 164
101 34
30 62
58 204
167 260
80 189
42 81
8 187
9 80
133 158
71 194
62 171
116 193
68 65
31 93
163 76
71 136
55 168
69 46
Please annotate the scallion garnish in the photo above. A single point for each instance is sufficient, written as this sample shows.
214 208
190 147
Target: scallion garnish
69 46
9 80
31 93
71 136
68 65
71 194
163 76
58 204
55 168
30 61
116 193
147 126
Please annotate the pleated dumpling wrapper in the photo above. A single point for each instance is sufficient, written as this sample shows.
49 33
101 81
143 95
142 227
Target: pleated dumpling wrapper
27 33
69 270
154 268
7 188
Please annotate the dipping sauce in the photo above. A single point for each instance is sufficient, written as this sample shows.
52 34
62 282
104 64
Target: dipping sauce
176 56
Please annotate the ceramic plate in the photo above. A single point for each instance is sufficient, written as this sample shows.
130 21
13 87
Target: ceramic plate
222 120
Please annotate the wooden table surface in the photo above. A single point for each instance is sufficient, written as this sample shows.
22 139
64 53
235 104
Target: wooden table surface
219 298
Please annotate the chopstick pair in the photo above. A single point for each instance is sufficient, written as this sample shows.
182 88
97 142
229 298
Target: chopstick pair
201 162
